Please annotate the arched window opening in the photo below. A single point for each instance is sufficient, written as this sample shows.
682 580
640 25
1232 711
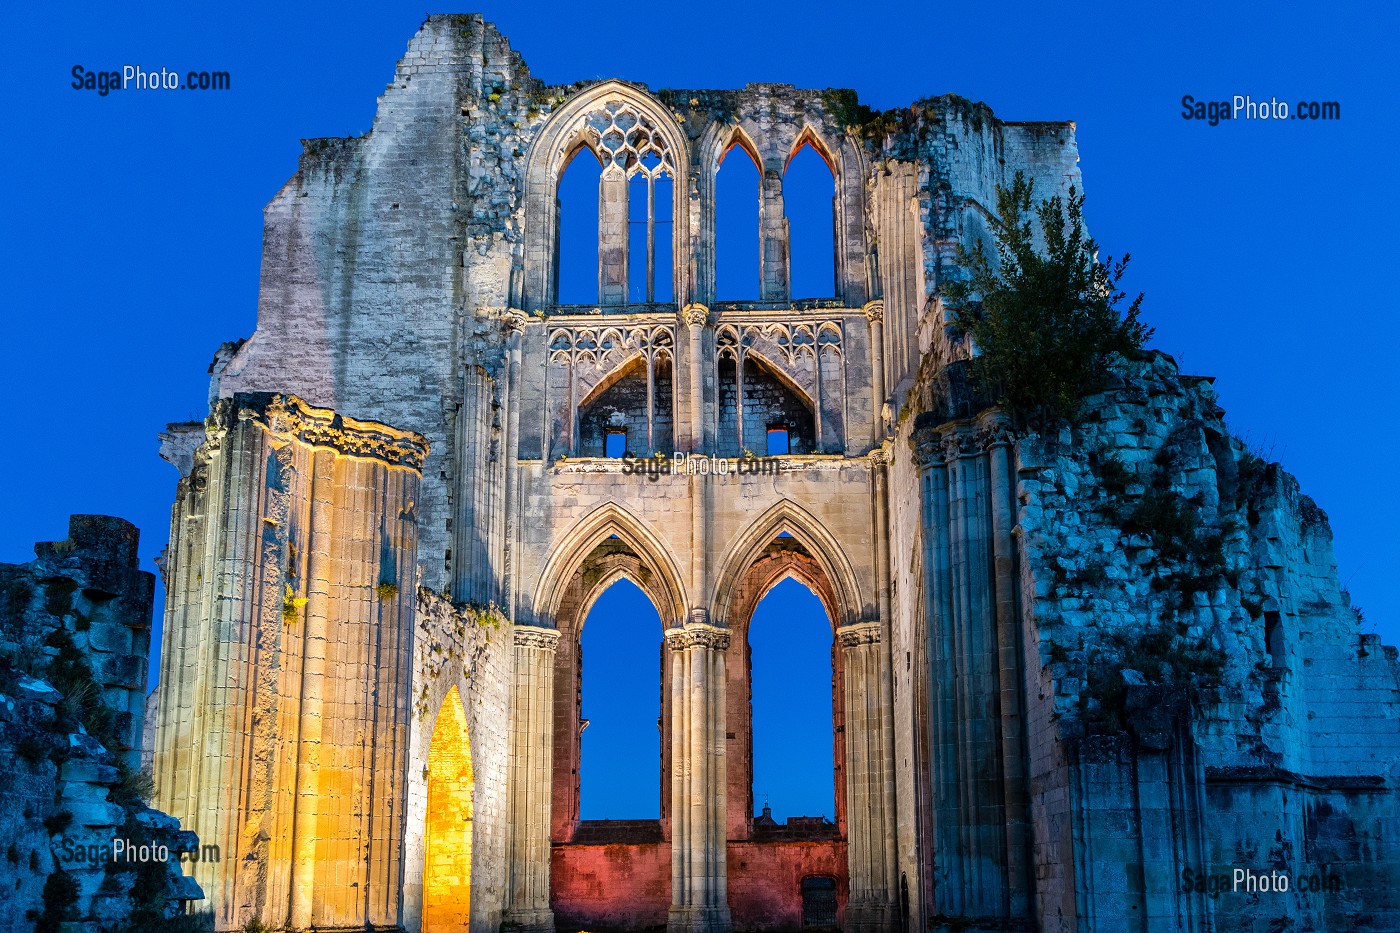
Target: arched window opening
736 226
809 200
649 213
622 409
790 645
621 710
576 263
448 837
765 400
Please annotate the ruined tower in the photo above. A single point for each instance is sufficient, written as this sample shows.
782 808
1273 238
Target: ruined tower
408 495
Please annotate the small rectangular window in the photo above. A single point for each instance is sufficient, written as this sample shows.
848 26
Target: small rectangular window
777 440
615 444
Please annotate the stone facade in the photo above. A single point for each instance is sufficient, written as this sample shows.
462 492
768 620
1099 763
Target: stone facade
399 513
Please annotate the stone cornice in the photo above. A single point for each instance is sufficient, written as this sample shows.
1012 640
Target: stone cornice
697 635
534 636
860 633
289 417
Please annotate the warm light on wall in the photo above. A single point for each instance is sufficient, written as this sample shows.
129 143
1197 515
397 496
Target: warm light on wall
448 866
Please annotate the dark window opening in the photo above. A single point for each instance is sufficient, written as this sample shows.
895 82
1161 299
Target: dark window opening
777 440
615 444
1273 640
818 903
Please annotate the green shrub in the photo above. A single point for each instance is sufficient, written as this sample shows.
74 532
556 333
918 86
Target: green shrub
1044 323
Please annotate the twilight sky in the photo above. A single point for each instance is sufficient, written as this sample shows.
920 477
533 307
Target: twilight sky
132 240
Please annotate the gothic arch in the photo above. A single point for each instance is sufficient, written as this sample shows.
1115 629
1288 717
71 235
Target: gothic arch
806 530
557 143
574 547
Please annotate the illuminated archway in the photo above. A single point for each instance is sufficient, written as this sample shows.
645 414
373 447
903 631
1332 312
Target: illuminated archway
448 834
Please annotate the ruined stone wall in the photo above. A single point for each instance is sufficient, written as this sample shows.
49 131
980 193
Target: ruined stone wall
74 633
1166 564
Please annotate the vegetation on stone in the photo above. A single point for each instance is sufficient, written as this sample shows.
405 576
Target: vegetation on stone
1044 312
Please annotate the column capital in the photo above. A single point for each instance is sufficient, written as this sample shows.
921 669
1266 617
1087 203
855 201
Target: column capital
874 311
928 448
995 428
698 635
879 456
535 636
695 315
860 633
959 440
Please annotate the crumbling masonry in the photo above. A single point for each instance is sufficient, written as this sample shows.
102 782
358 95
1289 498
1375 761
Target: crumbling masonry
1050 701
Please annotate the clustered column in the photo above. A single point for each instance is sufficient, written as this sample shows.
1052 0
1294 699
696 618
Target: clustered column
977 740
699 887
531 768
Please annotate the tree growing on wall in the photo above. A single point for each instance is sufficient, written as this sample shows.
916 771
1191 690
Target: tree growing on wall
1044 321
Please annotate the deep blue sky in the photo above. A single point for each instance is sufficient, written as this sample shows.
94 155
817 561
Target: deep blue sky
133 222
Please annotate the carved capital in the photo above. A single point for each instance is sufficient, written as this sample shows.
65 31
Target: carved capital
696 315
862 633
515 320
875 311
878 456
534 636
928 448
959 440
289 417
994 428
698 636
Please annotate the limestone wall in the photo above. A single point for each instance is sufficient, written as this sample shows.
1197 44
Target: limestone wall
284 709
1161 555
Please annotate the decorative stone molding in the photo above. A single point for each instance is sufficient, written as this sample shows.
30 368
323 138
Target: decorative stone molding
696 315
928 448
879 456
994 429
959 440
515 320
875 310
290 417
534 636
861 633
698 636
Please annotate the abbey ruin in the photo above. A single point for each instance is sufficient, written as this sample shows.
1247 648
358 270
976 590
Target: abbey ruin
1052 712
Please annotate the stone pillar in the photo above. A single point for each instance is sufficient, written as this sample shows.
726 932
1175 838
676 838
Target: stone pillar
298 543
612 237
696 316
531 767
699 867
515 322
943 734
875 314
773 235
869 779
996 438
